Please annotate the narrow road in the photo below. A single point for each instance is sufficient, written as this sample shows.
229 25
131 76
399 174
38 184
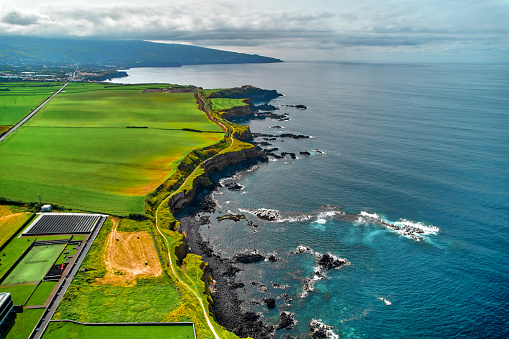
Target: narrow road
25 119
65 282
201 106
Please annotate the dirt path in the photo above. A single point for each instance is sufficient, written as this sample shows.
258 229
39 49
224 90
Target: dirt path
201 106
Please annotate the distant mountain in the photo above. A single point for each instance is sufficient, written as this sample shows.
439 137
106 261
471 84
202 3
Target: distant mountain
30 51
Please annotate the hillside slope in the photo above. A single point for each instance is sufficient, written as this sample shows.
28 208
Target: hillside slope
119 53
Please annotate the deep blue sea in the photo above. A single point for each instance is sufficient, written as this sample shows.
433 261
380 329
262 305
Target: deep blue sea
425 143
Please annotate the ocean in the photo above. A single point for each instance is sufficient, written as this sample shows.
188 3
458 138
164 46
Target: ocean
407 179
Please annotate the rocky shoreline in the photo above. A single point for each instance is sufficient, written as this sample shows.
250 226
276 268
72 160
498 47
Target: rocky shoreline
221 272
226 305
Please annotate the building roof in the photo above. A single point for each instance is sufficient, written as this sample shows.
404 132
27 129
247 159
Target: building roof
4 297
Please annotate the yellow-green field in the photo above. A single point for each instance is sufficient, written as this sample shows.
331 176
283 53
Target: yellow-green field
102 147
10 221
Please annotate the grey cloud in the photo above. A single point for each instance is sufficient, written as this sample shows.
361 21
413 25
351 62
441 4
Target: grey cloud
17 18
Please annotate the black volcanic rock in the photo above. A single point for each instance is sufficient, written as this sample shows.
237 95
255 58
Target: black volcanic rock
297 106
234 186
318 330
266 107
271 302
287 321
329 262
247 258
234 217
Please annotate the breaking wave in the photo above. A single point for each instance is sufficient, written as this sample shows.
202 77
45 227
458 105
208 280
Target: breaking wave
407 228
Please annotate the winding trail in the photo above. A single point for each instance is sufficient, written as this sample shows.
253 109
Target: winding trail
201 106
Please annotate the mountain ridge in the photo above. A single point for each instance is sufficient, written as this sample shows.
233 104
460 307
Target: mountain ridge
35 51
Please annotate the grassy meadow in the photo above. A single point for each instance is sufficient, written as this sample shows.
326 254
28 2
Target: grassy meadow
59 330
81 151
42 293
88 300
219 104
17 99
24 324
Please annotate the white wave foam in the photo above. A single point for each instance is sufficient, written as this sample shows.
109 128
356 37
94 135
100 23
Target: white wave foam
318 326
385 300
275 215
407 228
308 284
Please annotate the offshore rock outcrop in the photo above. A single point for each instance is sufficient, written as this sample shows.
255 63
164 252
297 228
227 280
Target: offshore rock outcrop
254 93
239 111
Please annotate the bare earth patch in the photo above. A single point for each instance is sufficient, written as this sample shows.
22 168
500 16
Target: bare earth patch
125 258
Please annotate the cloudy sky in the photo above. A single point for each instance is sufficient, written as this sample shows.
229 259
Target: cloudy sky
343 30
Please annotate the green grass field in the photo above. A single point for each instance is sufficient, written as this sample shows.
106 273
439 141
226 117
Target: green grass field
24 324
219 104
79 153
19 293
61 259
34 265
17 99
42 293
59 330
12 251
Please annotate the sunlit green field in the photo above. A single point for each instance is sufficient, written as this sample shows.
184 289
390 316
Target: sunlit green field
17 99
70 330
219 104
81 150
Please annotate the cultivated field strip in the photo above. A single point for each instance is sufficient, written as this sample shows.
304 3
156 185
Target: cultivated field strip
63 223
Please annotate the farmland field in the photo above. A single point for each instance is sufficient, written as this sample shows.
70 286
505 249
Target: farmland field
34 265
226 103
42 293
17 99
72 330
25 323
10 222
102 148
19 293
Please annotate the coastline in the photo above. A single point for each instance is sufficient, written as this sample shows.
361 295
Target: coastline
219 273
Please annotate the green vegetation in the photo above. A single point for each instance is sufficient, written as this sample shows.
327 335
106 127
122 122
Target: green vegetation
11 220
24 324
62 258
128 225
42 293
12 251
87 300
86 156
59 330
19 293
220 104
18 99
105 156
34 265
30 51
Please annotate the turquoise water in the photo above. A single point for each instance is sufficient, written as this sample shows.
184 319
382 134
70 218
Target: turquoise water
426 143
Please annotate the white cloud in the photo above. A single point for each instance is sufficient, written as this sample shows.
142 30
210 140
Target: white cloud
298 25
